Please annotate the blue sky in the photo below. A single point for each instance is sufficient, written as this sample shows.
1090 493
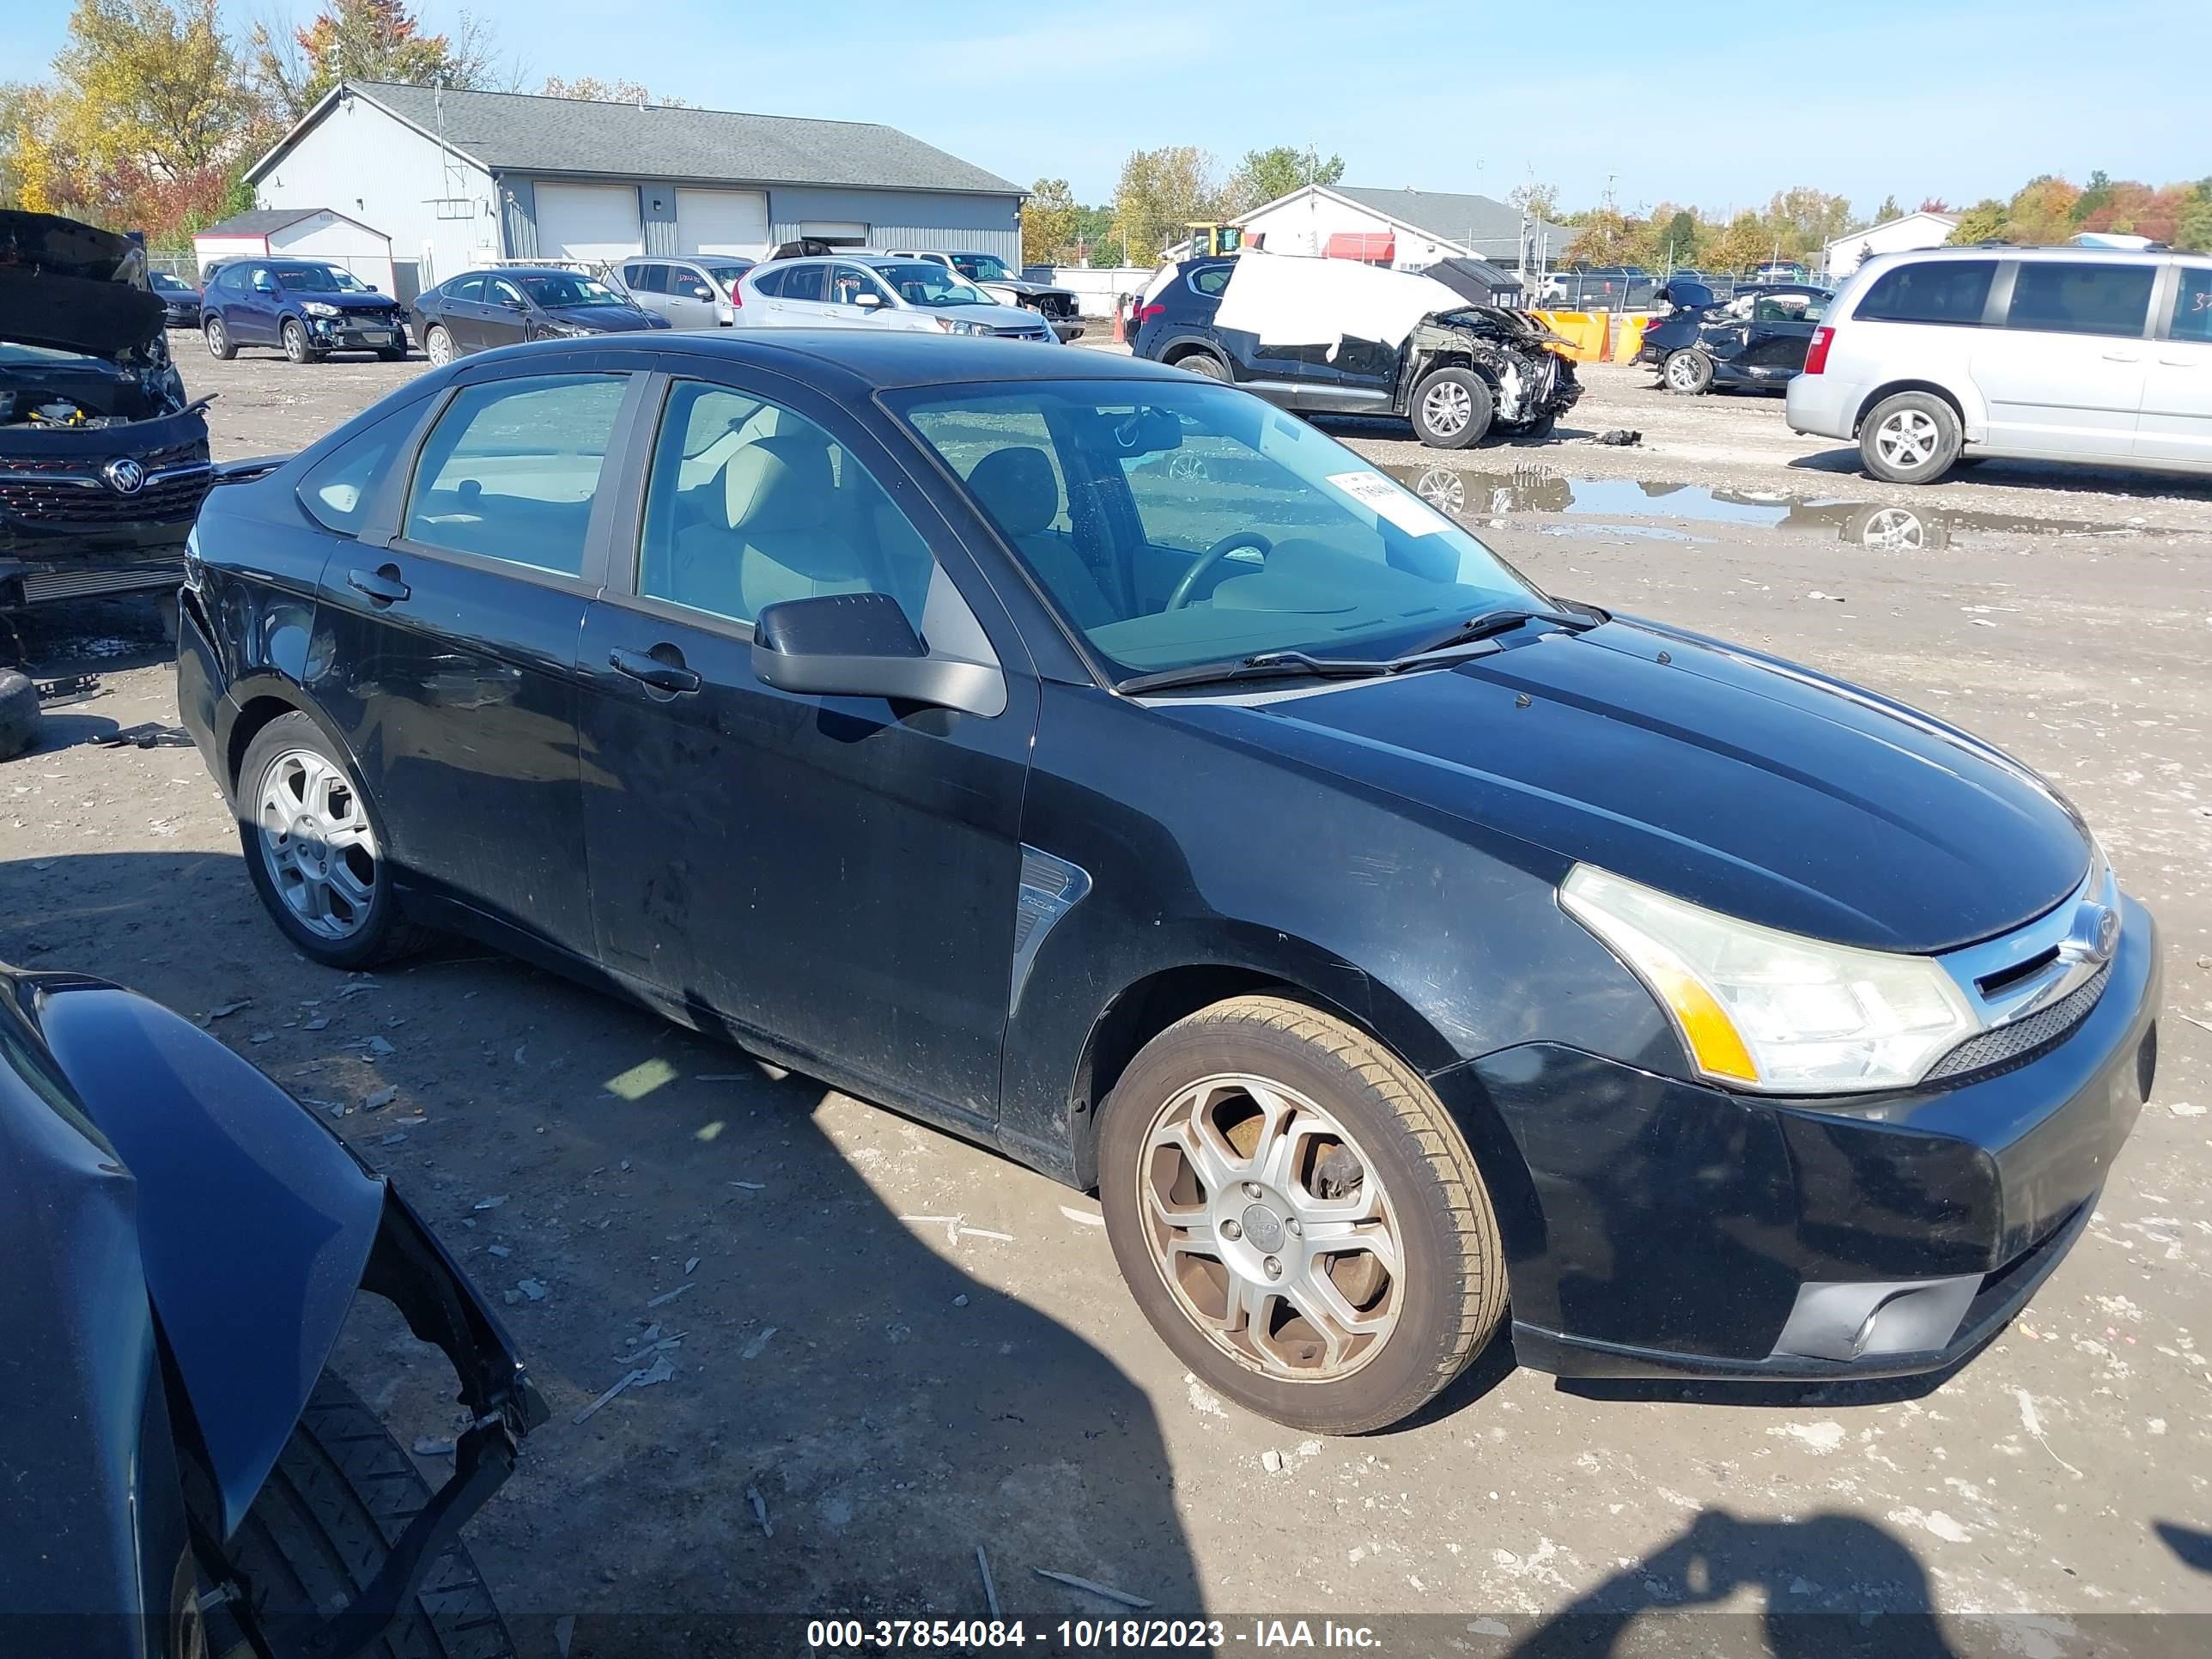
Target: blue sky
1955 98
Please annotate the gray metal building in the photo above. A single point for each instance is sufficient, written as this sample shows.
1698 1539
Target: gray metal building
456 179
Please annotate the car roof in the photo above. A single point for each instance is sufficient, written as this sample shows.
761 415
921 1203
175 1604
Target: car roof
872 359
2065 251
525 271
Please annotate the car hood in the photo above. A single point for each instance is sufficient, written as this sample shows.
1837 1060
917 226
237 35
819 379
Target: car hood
607 319
376 302
1021 285
1739 782
70 287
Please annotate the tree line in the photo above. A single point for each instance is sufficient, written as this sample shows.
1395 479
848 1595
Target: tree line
1161 193
152 110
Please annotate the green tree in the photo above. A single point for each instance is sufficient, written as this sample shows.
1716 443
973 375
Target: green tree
1803 221
1094 236
368 40
1268 175
145 123
1677 238
1889 209
1048 224
1162 191
2095 196
2194 231
2042 212
1745 242
1984 222
1604 237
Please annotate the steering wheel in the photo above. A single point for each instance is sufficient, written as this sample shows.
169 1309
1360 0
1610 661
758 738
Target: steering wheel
1213 556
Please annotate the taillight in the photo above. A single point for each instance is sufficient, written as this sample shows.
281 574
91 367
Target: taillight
1146 313
1816 350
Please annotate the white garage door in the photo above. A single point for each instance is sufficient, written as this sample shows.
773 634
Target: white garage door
595 222
721 222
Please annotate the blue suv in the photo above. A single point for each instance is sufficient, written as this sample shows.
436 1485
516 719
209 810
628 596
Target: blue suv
309 308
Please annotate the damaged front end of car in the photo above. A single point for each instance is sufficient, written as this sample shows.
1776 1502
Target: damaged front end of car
1528 365
103 460
185 1241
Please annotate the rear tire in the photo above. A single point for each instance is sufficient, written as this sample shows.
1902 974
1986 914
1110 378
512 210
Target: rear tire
1389 1327
1686 372
313 844
1204 365
438 346
19 714
1912 438
1452 409
342 1491
219 343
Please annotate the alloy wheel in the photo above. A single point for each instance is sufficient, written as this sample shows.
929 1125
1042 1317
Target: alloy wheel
439 345
1447 409
214 337
1907 439
1681 372
1894 527
1270 1228
295 343
316 843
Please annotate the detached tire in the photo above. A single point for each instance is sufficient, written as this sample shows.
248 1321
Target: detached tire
1912 438
1452 409
1298 1216
313 845
19 714
342 1491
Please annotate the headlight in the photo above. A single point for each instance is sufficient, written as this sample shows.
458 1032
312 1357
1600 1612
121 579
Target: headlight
566 331
318 309
962 325
1766 1010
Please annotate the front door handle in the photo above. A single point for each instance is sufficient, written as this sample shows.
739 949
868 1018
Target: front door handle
2178 362
2121 357
662 674
382 585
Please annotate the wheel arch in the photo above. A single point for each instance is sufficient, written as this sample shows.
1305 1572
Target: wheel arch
1178 349
1892 388
1151 1002
262 699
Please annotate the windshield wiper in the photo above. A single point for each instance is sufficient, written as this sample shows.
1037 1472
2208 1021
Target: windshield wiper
1267 665
1482 627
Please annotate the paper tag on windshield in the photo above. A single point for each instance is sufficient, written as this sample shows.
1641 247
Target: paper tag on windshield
1386 500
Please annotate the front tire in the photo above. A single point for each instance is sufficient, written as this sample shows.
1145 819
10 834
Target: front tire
296 347
1687 372
219 343
1912 438
1452 409
323 1524
314 848
1298 1216
439 346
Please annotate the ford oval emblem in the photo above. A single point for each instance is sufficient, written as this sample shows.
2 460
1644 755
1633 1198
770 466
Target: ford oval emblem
125 476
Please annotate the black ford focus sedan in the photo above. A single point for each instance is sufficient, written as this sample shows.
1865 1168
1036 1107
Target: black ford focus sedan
1388 943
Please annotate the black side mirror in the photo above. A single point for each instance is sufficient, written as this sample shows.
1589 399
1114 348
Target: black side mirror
861 645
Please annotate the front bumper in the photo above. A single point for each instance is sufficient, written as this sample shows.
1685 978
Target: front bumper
349 334
1660 1227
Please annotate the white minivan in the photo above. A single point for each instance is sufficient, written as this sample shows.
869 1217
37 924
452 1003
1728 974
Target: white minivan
2065 354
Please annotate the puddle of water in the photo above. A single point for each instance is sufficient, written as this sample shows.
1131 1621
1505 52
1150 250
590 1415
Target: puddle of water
1649 532
1473 496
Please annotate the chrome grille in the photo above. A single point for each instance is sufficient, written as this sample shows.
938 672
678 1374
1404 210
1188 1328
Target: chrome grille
49 496
2021 1037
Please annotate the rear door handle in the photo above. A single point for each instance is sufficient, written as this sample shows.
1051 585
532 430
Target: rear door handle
661 676
2178 362
382 585
2121 357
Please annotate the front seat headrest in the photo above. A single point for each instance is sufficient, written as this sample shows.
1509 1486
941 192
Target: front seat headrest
780 483
1018 489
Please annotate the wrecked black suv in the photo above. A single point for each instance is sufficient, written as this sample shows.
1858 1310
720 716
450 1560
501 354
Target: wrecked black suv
103 462
1330 337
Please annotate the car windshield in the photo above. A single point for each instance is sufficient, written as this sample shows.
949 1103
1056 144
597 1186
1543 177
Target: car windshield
920 283
559 287
1180 524
983 267
168 284
319 279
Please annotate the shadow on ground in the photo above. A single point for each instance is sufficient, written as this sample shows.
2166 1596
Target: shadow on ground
891 1411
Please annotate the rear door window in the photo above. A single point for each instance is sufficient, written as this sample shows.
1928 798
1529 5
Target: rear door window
1933 291
802 282
2193 305
466 287
649 279
769 282
2062 297
512 468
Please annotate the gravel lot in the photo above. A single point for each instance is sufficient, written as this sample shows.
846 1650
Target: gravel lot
909 1347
